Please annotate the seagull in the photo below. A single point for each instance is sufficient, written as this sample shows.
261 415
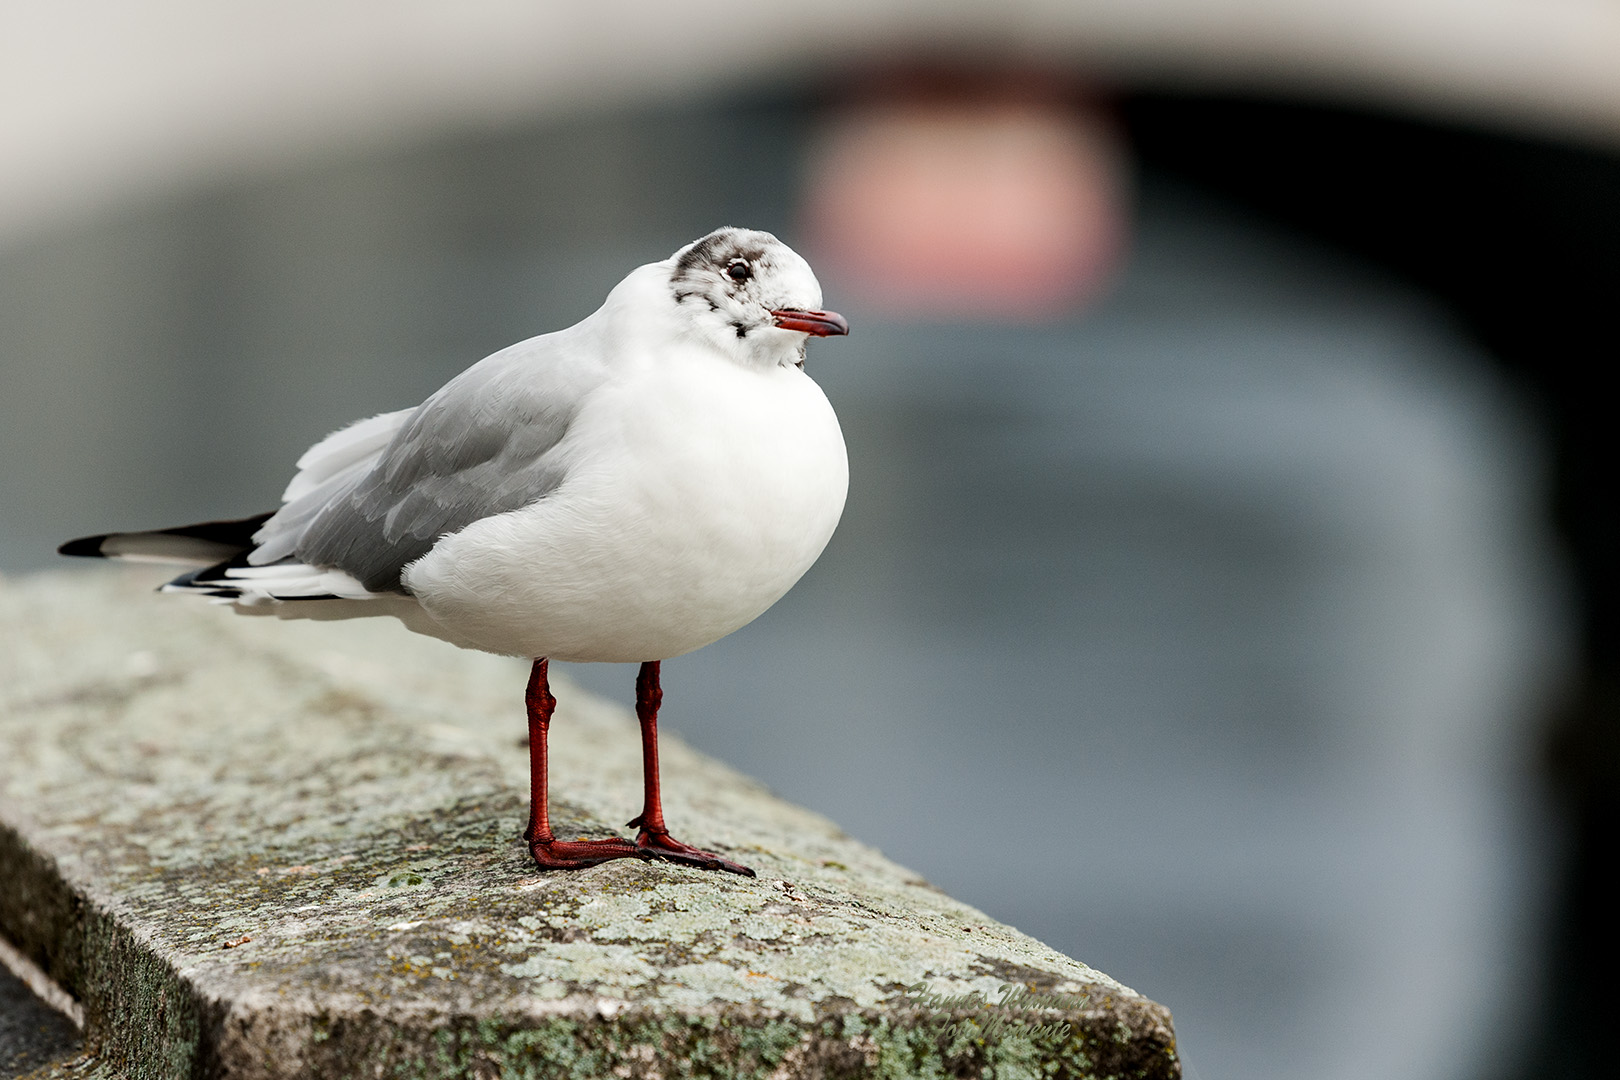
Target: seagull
629 489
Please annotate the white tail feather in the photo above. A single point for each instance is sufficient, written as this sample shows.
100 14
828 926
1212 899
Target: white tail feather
252 585
289 581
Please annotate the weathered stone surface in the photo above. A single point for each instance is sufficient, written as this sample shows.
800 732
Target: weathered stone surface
261 849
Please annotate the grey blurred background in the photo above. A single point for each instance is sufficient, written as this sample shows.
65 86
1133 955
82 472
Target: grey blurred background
1208 629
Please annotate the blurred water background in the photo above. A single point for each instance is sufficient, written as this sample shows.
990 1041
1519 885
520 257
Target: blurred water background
1200 633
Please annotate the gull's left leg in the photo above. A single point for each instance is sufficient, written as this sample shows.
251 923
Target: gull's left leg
654 837
549 852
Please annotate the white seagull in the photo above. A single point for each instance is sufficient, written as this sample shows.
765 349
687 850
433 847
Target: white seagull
631 488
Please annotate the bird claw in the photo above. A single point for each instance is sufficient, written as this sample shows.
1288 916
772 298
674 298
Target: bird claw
661 845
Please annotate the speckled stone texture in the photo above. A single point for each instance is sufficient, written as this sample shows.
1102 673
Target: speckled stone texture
256 848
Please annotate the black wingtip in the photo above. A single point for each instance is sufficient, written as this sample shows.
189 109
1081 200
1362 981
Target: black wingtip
85 546
237 532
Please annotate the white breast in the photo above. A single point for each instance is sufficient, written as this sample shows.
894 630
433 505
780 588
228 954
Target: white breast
700 492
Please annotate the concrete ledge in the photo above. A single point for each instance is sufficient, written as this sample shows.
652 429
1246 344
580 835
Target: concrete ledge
257 849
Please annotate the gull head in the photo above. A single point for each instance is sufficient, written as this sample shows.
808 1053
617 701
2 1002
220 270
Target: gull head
750 295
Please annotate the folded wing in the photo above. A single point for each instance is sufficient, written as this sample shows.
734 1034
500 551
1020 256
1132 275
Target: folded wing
375 496
372 499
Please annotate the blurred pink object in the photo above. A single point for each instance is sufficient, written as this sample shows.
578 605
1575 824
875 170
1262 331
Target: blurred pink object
986 201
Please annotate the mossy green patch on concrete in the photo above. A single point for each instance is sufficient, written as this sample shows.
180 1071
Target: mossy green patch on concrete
262 849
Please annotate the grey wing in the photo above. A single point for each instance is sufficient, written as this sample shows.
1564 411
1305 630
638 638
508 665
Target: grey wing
483 445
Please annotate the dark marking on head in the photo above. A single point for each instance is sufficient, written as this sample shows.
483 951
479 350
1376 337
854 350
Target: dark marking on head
717 253
742 331
699 253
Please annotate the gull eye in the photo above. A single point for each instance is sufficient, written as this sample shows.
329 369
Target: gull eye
739 270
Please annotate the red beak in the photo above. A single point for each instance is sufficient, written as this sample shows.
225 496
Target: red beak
818 323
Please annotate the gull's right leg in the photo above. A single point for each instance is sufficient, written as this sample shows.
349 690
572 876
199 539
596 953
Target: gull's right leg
548 851
654 837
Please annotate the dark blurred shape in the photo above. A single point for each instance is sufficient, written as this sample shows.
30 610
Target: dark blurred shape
1521 238
32 1034
967 195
